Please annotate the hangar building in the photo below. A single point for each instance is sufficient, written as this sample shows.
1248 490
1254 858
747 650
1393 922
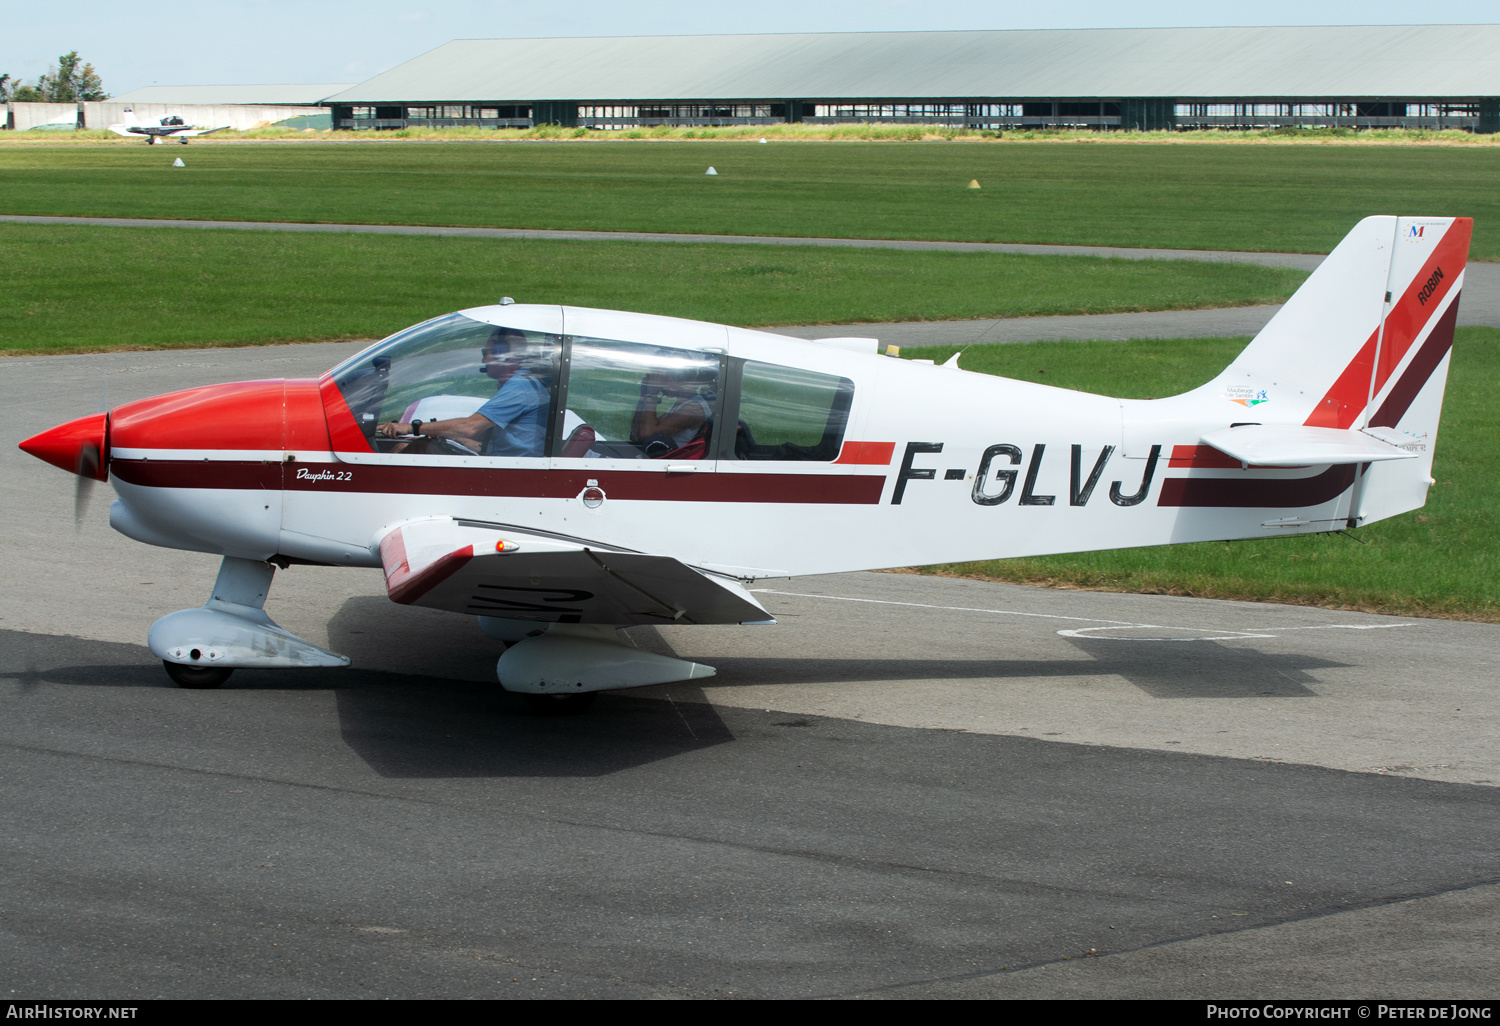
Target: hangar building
1428 76
238 106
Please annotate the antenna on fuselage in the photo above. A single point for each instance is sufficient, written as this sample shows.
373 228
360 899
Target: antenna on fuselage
952 361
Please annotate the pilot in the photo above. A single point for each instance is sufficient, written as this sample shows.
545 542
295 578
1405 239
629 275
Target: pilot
691 390
514 421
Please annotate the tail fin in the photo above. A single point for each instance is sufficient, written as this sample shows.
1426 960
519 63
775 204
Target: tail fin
1364 345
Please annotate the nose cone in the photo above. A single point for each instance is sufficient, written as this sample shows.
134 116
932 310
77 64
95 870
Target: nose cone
79 446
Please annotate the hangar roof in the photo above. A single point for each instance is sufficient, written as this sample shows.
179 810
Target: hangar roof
260 95
1347 61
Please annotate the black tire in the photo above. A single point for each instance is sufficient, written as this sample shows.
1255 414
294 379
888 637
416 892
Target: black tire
561 705
197 677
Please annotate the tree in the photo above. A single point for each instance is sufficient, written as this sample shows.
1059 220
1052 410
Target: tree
66 82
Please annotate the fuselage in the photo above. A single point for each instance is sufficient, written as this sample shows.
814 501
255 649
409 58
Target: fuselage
931 464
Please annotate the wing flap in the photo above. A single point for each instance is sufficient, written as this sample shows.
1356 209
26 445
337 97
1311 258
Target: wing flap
495 570
1286 445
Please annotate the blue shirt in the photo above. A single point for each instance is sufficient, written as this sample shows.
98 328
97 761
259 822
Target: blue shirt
519 413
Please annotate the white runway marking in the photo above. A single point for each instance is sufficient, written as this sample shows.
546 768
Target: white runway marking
1192 633
1217 633
950 609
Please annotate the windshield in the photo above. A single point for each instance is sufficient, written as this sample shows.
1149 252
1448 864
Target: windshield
441 370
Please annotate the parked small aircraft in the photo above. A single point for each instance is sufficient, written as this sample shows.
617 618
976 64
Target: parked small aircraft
605 469
170 127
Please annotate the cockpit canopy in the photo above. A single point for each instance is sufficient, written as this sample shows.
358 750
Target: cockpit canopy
604 399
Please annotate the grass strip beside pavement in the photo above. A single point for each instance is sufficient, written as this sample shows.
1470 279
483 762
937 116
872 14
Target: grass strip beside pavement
87 289
1442 560
1176 195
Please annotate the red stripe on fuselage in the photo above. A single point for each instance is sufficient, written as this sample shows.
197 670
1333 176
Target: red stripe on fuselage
1206 457
862 489
867 453
1202 456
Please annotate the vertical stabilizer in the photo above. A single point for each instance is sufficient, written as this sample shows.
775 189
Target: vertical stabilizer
1364 345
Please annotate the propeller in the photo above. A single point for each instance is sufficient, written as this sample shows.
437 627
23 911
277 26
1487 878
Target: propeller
88 472
79 447
89 460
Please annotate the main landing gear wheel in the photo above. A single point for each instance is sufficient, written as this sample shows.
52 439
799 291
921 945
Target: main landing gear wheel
199 677
561 705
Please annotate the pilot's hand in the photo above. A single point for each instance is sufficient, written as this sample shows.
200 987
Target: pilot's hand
392 429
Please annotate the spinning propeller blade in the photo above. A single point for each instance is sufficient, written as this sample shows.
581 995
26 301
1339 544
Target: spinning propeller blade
88 472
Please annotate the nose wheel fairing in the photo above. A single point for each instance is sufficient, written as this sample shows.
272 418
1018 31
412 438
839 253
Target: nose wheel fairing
232 630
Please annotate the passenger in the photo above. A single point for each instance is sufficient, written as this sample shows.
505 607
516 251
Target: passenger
692 390
514 421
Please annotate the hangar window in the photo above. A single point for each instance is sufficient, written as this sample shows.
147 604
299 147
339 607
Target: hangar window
448 370
786 413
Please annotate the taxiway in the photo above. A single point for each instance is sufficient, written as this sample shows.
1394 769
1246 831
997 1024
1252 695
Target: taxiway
912 786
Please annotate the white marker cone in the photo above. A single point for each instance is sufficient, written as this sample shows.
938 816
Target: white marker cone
710 171
762 139
973 183
178 163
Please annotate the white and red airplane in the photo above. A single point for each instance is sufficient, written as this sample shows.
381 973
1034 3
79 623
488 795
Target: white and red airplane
562 472
170 127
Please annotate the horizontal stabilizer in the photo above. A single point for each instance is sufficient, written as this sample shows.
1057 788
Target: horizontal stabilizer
1287 445
497 570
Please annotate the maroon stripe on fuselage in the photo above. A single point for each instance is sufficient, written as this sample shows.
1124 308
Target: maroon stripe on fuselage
1255 493
849 489
236 474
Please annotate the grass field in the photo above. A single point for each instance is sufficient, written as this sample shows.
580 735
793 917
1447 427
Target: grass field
1442 560
72 289
1300 198
76 289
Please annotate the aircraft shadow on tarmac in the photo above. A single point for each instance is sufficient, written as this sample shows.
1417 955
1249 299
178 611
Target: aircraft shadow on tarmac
410 726
1196 669
1205 669
405 725
456 729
